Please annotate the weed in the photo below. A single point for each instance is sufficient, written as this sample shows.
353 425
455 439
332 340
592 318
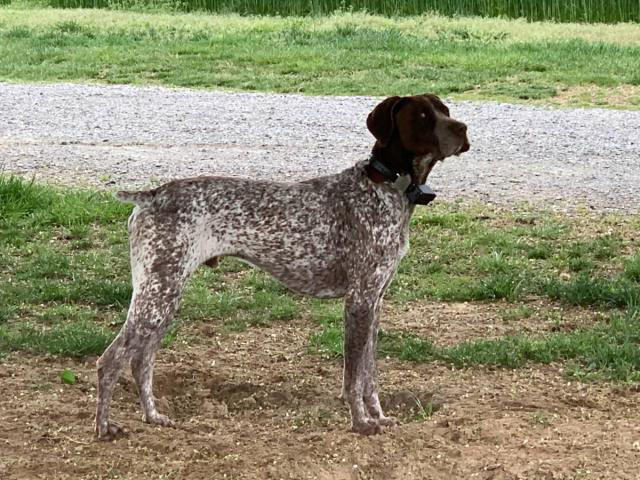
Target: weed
517 313
423 412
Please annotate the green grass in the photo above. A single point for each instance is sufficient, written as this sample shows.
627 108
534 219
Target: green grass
516 313
608 350
65 283
249 299
75 339
559 10
470 259
343 54
65 288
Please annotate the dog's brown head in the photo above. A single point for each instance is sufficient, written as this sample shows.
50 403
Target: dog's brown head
413 133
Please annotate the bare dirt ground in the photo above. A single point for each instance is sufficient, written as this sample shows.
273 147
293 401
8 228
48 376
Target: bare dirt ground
257 405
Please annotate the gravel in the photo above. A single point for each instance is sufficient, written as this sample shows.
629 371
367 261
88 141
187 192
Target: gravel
125 136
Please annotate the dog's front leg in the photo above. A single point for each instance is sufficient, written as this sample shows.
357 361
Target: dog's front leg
371 398
360 383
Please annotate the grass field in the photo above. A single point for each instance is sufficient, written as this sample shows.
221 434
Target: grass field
340 54
64 284
605 11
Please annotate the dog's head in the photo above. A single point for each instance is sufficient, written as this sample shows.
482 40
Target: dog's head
418 129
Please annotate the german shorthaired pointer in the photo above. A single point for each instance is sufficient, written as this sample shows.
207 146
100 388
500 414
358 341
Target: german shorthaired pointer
342 235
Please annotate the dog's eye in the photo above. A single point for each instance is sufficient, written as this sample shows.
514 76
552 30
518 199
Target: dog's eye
423 115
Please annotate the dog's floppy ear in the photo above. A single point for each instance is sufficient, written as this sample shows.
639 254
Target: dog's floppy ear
380 121
436 102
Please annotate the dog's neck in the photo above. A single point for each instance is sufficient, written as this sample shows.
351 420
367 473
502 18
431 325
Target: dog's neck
399 161
405 171
422 167
392 159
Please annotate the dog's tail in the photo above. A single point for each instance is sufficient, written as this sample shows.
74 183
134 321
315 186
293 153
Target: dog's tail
142 198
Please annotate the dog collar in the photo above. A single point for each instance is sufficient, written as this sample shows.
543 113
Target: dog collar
417 194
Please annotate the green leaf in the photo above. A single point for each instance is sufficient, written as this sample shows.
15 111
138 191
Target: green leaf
68 377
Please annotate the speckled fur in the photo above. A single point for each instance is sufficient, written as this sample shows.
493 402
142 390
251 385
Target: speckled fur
341 235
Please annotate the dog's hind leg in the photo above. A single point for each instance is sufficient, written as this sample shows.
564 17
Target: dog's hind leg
143 358
150 314
109 367
142 369
159 275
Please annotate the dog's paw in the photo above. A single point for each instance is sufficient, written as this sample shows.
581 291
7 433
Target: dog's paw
367 427
389 421
158 419
110 431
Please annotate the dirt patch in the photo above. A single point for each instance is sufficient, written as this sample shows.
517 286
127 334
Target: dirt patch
622 96
256 405
449 323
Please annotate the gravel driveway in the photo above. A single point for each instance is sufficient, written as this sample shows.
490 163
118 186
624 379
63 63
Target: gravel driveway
114 136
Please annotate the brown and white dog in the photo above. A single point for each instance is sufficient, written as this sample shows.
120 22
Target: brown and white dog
341 235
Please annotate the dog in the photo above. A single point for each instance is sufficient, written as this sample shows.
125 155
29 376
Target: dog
337 236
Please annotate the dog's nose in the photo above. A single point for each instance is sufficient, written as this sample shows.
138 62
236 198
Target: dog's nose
465 146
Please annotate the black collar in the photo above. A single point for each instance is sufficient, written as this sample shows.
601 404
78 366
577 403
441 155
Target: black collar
388 174
417 194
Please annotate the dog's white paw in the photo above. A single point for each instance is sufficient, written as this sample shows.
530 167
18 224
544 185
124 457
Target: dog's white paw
110 431
158 419
367 427
389 421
